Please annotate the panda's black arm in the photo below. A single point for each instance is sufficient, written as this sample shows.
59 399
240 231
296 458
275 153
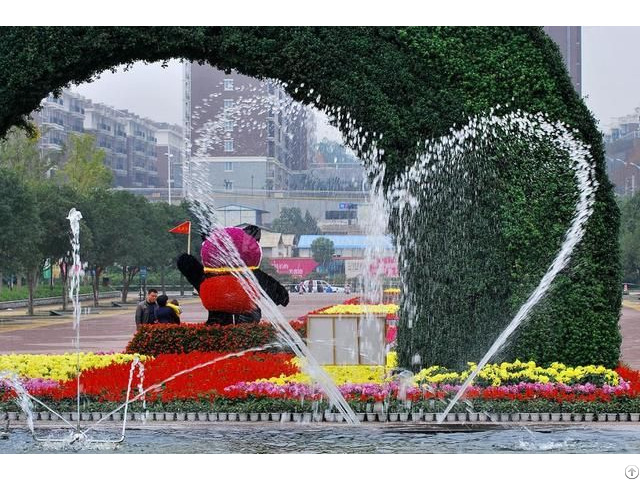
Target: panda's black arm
192 269
274 289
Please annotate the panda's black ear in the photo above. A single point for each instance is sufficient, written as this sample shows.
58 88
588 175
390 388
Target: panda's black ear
254 231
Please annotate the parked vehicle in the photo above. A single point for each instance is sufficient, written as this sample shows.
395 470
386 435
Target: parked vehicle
319 286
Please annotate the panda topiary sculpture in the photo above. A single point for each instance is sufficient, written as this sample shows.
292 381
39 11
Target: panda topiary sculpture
220 291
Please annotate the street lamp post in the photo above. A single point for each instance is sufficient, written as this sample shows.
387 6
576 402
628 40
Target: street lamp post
169 155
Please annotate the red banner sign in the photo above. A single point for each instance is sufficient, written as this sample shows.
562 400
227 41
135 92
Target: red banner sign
298 267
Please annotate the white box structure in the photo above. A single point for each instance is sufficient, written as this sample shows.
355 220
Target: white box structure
347 339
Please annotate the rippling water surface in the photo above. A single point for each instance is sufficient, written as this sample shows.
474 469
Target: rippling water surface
265 438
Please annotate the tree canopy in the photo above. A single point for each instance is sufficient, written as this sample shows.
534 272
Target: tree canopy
84 167
292 221
322 250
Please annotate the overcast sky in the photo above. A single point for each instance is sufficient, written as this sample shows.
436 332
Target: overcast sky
610 79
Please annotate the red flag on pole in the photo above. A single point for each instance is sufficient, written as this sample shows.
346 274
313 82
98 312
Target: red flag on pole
184 228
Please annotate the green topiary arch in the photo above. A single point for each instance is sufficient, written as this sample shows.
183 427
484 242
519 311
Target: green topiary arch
409 83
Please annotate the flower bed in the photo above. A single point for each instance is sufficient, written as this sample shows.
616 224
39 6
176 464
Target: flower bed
185 338
387 309
108 384
274 382
519 372
277 382
59 367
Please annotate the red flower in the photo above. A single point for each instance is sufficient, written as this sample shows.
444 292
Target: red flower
110 383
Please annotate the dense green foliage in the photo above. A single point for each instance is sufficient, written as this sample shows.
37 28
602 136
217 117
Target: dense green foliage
197 337
409 84
322 250
291 220
630 238
84 164
118 228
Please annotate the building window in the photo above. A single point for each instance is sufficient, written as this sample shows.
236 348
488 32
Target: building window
228 104
228 185
228 166
228 125
228 84
271 148
228 145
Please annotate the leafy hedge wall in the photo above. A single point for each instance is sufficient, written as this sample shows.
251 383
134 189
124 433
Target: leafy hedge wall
410 84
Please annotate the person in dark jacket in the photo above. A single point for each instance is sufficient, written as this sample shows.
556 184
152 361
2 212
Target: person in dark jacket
166 314
146 310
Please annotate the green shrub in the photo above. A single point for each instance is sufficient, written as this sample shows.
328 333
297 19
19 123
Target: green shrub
185 338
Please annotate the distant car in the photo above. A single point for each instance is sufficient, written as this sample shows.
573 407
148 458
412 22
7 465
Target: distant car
332 289
318 286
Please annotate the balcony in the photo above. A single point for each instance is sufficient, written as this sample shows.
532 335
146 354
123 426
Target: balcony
51 146
53 125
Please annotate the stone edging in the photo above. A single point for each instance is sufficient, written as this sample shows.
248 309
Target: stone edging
329 417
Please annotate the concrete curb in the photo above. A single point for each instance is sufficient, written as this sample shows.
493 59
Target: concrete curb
330 417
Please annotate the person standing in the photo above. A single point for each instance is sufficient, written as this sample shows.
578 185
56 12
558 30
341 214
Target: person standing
164 313
146 310
175 305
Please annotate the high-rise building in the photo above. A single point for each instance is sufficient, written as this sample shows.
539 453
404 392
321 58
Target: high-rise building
57 118
249 132
135 148
622 146
128 142
569 40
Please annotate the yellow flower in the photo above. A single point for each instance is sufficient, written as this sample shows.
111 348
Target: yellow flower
392 360
385 309
340 374
59 367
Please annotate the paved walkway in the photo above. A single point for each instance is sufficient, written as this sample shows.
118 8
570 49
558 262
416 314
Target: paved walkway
630 328
110 329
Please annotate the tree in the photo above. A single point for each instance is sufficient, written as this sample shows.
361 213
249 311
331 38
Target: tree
54 203
167 246
19 152
136 245
21 230
114 231
84 169
322 250
291 221
630 238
